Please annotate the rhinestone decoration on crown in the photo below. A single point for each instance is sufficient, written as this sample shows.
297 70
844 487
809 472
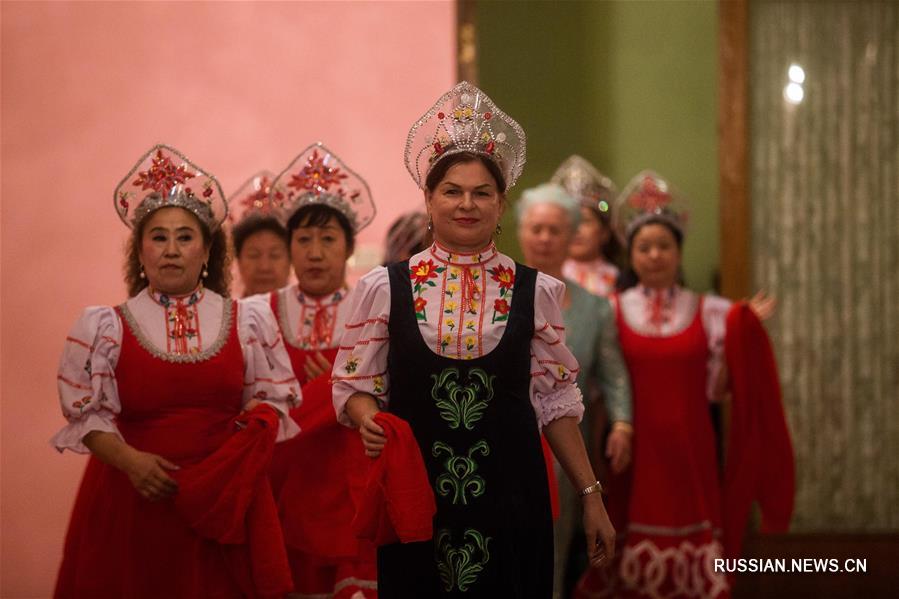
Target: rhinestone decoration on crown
648 195
164 177
318 176
254 198
465 120
583 181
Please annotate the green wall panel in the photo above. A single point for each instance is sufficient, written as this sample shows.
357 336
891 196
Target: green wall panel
629 85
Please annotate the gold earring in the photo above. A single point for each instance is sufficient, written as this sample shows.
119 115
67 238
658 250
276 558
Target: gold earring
499 229
205 272
142 274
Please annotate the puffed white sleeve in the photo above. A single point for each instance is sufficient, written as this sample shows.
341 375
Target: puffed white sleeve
86 378
268 374
714 321
361 362
554 392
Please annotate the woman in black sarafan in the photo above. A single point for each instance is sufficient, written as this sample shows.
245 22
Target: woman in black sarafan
468 347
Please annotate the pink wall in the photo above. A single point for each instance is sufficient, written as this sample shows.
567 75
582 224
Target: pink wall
87 87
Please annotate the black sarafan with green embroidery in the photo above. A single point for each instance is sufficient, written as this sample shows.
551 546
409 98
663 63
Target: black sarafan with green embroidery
477 431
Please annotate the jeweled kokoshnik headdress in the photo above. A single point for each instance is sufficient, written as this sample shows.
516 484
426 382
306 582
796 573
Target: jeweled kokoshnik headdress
318 176
583 181
253 198
164 177
647 197
464 119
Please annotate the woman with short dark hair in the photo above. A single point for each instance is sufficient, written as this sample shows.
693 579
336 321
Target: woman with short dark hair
258 236
326 204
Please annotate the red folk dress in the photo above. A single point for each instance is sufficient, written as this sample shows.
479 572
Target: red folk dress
121 545
671 518
317 474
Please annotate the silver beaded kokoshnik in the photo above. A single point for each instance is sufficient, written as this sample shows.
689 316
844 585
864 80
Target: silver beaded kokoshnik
583 181
465 119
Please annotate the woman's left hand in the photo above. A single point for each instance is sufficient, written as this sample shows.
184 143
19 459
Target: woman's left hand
763 305
599 531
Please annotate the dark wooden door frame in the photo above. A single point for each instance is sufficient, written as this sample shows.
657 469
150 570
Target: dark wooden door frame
735 220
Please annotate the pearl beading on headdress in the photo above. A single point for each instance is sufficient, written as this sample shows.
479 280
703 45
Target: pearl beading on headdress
582 180
465 119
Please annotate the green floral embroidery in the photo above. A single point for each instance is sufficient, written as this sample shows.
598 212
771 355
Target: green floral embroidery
459 567
460 478
462 405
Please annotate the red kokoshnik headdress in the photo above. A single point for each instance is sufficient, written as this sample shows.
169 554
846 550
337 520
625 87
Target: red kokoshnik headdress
164 177
650 197
254 199
318 176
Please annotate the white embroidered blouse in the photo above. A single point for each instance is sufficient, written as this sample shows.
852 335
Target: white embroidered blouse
309 322
667 312
190 327
596 276
462 304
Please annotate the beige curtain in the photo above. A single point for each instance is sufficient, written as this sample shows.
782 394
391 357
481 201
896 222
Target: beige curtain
825 189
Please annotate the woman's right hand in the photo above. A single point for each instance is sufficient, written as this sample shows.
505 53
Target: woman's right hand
147 473
618 449
373 438
361 409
